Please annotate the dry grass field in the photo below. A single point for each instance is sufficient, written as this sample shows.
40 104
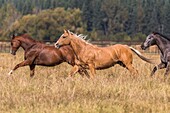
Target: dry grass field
112 91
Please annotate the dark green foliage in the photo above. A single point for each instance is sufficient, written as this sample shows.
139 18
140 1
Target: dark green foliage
105 18
49 24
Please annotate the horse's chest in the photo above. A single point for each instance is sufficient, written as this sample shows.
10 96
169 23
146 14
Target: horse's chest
165 57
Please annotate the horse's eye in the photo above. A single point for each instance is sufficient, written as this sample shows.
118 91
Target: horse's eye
149 38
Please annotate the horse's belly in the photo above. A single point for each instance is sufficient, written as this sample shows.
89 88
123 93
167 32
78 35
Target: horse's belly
45 61
104 64
103 67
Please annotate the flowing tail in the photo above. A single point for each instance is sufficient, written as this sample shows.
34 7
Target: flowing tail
141 56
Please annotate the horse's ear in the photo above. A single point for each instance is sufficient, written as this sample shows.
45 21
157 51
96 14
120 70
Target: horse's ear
13 35
66 31
154 33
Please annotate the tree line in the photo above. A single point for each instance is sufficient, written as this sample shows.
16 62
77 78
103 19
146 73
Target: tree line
116 20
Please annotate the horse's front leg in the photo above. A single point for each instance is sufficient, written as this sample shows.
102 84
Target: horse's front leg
92 70
73 71
160 66
83 72
32 70
24 63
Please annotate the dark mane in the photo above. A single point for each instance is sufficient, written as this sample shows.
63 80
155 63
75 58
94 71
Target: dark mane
156 33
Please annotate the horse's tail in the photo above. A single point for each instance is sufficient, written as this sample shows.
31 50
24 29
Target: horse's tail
141 56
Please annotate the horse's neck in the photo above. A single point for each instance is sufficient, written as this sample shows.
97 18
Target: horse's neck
26 43
162 44
78 45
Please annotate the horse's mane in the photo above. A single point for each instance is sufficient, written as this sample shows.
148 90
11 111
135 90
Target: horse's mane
82 37
27 36
156 33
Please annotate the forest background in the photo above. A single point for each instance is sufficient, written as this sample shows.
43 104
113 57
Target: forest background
115 20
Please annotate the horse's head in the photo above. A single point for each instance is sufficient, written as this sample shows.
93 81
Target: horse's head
15 44
64 39
150 40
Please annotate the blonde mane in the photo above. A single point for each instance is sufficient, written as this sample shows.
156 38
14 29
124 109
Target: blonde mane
82 37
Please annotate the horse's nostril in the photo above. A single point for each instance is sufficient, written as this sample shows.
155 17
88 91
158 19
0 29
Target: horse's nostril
143 47
13 53
57 45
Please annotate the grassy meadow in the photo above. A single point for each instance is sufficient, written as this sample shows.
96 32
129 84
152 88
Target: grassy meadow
113 90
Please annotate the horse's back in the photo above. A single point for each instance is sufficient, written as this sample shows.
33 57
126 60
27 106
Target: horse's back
122 48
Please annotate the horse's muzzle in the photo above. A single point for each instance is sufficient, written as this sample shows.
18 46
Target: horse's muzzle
143 47
57 46
13 52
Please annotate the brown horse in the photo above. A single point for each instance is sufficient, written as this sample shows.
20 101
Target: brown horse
93 57
38 53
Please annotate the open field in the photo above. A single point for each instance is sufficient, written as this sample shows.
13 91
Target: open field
112 91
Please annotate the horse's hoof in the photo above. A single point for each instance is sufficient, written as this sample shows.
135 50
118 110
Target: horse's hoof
10 72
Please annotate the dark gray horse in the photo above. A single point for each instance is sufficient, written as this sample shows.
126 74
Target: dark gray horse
163 43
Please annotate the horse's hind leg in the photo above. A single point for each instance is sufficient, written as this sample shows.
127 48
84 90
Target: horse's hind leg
32 70
128 65
131 69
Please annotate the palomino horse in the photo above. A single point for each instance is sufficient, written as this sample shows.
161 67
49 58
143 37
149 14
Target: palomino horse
37 53
163 44
93 57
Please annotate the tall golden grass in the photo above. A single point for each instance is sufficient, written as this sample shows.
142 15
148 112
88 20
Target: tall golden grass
113 90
